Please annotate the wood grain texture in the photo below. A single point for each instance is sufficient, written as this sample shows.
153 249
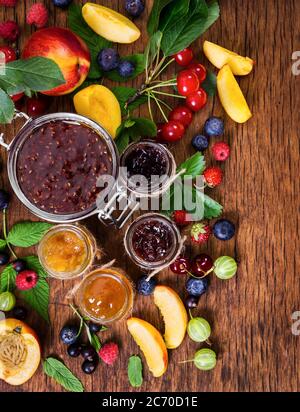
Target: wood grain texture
251 314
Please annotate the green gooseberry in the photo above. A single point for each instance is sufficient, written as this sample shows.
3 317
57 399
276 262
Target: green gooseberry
198 329
205 359
7 301
225 267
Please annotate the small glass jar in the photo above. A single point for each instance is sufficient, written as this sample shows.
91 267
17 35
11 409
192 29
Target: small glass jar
105 295
152 241
67 251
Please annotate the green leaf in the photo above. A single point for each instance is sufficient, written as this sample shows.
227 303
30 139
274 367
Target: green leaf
133 131
172 13
135 371
8 279
212 209
7 108
122 142
210 84
61 374
34 264
153 20
38 298
93 339
194 165
139 63
25 234
94 42
123 94
152 49
3 244
213 15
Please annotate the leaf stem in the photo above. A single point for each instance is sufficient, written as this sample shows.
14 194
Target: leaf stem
149 106
163 68
160 108
5 235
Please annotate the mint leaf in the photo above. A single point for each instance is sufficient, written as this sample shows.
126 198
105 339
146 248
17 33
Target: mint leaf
8 279
2 244
212 209
25 234
194 165
123 93
153 20
61 374
6 108
139 63
38 298
210 84
135 371
133 129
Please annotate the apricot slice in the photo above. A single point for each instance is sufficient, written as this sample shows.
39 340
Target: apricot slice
109 24
219 56
20 352
151 343
174 314
100 104
231 96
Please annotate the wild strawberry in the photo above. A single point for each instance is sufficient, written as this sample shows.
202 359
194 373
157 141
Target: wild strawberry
27 279
221 151
37 15
180 217
9 30
109 353
213 176
200 233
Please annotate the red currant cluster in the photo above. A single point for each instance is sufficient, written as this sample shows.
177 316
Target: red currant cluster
188 85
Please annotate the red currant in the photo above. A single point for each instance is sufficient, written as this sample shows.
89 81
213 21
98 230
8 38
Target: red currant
172 131
180 266
36 106
201 264
187 82
184 57
182 114
199 69
9 53
197 100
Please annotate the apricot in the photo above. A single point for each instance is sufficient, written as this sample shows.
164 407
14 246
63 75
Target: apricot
100 104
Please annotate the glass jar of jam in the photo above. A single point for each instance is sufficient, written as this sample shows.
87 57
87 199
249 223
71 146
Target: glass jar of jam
152 241
105 295
67 251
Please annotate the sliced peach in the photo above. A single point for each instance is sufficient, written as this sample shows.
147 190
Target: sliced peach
20 352
174 314
231 96
100 104
109 24
151 343
219 56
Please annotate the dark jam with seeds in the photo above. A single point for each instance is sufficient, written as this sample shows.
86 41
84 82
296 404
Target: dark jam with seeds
58 166
146 160
152 240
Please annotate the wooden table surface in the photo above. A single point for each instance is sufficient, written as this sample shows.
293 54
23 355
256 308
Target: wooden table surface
250 314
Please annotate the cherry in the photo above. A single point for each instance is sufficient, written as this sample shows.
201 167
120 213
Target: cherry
181 265
9 53
201 264
182 114
36 106
172 131
15 98
184 57
197 100
187 82
199 69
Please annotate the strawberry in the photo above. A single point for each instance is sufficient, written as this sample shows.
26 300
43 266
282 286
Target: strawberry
213 176
200 233
181 217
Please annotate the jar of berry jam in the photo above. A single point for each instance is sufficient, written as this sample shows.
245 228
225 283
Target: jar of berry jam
152 241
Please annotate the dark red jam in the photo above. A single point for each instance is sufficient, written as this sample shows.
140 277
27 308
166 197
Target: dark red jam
152 240
146 160
58 166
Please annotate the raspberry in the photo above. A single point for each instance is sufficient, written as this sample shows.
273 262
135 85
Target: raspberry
8 3
200 233
9 53
9 30
180 217
37 15
221 151
213 176
109 353
27 279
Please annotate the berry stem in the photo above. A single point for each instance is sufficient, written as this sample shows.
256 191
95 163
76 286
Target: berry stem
163 68
169 94
5 235
159 106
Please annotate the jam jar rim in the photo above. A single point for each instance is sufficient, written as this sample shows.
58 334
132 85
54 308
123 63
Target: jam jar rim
19 140
139 261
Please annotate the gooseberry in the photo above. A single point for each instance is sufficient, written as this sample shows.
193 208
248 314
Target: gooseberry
205 359
198 329
7 301
225 267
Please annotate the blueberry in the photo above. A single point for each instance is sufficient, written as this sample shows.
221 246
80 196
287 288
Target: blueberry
19 265
89 367
134 7
126 68
62 3
19 312
89 353
4 199
4 258
200 142
68 334
74 350
223 229
108 59
145 287
94 327
214 126
196 287
192 301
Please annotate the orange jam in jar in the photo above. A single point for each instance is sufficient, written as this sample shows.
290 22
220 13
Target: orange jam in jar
67 251
106 295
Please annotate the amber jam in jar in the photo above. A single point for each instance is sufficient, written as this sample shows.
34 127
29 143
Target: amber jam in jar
152 241
105 295
67 251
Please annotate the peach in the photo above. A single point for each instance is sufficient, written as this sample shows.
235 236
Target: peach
67 50
20 352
